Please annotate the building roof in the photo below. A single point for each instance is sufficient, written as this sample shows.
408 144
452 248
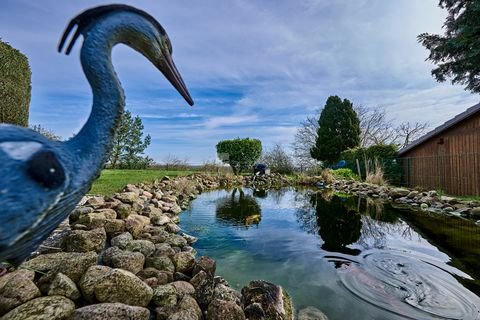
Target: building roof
450 123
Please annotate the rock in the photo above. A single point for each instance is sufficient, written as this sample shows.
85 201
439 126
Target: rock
190 239
161 263
71 264
121 240
224 310
164 249
127 197
160 219
16 290
113 311
108 213
165 296
176 241
178 276
90 279
85 241
184 315
183 288
96 201
311 313
130 261
475 212
124 287
274 299
204 287
399 192
24 273
123 210
64 286
424 206
114 227
255 311
206 264
184 262
79 211
135 223
412 194
173 228
163 277
93 220
51 308
147 248
222 292
188 303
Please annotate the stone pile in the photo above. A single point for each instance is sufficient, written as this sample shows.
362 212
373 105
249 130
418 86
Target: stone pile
124 257
425 200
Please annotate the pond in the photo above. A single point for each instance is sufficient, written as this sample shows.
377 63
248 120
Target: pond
350 257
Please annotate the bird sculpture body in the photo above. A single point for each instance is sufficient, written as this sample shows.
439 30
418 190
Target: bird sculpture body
41 180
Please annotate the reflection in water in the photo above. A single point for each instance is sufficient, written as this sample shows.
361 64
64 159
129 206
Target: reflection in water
242 210
332 251
338 226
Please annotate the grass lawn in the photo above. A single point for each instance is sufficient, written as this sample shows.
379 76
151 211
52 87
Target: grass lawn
113 180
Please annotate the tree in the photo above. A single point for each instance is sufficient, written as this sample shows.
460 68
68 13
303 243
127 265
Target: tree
128 145
375 127
457 52
407 132
338 130
278 160
15 86
304 140
240 154
47 133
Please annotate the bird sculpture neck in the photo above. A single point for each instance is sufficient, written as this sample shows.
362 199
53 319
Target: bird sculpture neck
92 143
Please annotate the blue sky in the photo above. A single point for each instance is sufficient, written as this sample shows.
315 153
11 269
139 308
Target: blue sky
254 68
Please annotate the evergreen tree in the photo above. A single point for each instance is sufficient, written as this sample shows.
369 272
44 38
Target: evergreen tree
457 52
338 130
128 145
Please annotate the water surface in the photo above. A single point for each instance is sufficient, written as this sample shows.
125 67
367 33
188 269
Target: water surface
351 258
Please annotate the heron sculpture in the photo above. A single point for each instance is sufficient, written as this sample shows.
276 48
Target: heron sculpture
41 180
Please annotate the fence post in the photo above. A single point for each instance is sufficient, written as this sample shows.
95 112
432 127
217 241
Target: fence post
358 169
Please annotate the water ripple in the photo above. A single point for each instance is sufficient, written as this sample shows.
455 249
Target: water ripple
409 286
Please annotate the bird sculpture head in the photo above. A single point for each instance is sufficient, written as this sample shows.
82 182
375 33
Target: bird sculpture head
42 180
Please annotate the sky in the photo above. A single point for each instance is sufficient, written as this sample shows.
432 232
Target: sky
254 68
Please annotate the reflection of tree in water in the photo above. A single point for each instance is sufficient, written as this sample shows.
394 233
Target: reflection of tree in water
338 225
341 221
241 210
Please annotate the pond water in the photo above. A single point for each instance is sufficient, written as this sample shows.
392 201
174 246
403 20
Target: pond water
352 258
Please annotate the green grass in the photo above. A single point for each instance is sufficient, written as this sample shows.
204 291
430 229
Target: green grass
113 180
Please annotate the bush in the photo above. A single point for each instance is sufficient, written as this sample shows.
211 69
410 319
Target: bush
240 154
345 173
278 160
327 176
15 86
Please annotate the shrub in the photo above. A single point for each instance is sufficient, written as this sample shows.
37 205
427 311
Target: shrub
15 86
279 160
327 176
345 173
240 154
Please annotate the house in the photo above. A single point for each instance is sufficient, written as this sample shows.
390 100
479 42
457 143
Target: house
447 158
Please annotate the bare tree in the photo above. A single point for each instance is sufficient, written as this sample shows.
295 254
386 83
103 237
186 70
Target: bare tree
46 132
278 160
407 132
172 162
375 127
304 140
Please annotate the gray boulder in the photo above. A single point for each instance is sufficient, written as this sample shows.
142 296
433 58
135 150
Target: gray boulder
162 263
184 262
224 310
124 287
130 261
90 279
51 308
64 286
117 311
85 241
121 240
165 296
17 290
147 248
274 300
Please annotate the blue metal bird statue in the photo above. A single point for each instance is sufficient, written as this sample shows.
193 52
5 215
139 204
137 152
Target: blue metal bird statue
41 180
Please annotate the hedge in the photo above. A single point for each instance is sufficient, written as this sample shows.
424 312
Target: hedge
15 86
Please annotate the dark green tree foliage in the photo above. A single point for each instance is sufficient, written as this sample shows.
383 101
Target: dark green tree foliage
241 211
240 154
339 130
128 145
457 52
15 86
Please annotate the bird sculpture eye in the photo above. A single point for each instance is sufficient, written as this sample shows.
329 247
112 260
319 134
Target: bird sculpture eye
46 170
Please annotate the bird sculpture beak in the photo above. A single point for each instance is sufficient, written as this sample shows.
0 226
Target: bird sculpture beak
169 70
